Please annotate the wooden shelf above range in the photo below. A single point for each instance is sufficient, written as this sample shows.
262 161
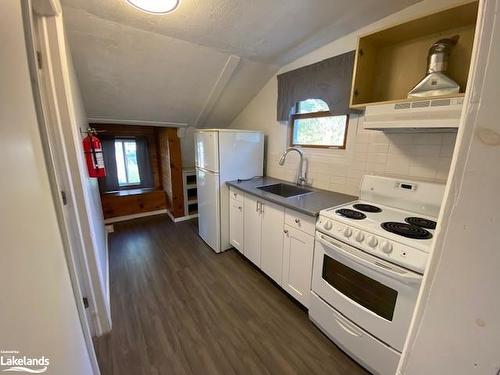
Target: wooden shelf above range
390 62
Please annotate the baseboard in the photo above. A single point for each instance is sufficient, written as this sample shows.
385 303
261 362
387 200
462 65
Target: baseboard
117 219
182 218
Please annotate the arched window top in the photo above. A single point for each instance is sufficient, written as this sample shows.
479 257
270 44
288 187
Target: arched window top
314 125
311 106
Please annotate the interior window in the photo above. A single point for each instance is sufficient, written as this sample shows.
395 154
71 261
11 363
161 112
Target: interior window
126 162
313 125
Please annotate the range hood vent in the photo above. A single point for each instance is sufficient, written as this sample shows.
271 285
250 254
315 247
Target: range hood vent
436 82
441 114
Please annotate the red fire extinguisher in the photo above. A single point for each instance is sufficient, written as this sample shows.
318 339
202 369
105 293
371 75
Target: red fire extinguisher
93 154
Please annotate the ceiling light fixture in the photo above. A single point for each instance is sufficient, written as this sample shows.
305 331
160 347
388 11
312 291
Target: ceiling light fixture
155 6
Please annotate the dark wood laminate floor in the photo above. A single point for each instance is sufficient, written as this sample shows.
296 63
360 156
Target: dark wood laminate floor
179 308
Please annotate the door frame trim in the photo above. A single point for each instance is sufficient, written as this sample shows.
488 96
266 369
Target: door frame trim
28 14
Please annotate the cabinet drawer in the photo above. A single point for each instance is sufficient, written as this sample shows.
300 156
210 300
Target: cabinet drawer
236 194
300 221
366 349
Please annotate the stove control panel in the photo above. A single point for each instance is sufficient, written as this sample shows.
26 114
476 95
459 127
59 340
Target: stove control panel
391 251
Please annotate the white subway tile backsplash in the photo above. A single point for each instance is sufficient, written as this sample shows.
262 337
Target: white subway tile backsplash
426 150
378 147
404 155
399 139
449 138
447 150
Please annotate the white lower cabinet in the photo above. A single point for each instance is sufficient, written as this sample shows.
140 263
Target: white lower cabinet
252 224
236 224
271 252
298 253
283 251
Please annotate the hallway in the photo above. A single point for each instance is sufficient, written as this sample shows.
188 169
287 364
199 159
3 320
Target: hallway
178 308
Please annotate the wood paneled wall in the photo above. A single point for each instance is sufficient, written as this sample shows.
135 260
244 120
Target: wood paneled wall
150 132
135 202
166 162
117 204
171 168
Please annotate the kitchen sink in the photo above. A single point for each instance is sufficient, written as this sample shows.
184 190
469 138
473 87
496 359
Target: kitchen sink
284 190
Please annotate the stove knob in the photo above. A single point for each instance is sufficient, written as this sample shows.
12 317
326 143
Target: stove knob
348 232
372 241
360 236
328 225
386 247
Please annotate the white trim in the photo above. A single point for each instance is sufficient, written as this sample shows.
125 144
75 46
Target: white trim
232 130
164 124
118 219
30 18
182 218
224 77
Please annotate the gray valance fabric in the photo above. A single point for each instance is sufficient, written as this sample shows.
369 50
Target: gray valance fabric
329 80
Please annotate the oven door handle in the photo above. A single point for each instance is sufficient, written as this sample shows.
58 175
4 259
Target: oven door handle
400 274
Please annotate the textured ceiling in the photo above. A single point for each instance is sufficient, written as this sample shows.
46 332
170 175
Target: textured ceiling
136 66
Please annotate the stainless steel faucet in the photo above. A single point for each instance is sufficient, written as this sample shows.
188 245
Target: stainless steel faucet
301 179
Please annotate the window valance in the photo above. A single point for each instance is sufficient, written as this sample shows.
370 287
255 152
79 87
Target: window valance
329 80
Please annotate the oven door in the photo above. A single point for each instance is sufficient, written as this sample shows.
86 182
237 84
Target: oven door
376 295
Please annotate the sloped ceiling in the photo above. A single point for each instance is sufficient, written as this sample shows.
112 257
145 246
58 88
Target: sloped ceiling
133 66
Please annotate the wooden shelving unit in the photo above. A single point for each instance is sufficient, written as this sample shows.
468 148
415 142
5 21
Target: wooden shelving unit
190 193
390 62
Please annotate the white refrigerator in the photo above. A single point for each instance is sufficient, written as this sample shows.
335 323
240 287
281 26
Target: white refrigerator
220 156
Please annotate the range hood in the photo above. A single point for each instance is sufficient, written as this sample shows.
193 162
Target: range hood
440 114
436 82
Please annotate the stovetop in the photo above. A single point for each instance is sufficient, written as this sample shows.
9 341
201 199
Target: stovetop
393 219
385 221
374 231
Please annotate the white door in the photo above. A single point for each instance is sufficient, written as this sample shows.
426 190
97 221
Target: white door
208 208
271 252
207 150
298 252
236 224
252 229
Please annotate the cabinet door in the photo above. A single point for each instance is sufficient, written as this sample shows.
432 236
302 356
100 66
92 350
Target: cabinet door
236 224
271 252
298 251
251 229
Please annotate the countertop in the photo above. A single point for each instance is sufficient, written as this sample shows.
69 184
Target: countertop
309 204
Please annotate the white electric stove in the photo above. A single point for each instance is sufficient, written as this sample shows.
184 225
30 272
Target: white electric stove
368 264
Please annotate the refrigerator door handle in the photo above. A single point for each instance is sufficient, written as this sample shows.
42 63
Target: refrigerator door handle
257 208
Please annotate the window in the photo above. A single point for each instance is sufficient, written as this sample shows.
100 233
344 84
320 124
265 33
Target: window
126 162
313 125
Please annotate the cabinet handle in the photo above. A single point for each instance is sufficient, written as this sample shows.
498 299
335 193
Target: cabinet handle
239 208
297 221
285 231
261 207
235 195
257 206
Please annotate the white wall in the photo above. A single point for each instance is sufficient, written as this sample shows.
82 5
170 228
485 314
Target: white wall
420 156
91 195
457 326
38 315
